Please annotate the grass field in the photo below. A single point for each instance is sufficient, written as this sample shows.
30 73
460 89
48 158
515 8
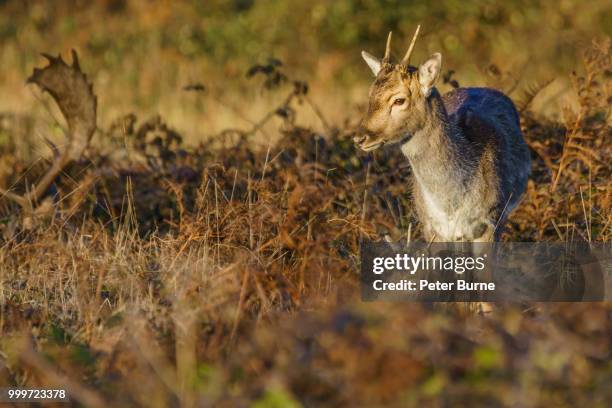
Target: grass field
204 249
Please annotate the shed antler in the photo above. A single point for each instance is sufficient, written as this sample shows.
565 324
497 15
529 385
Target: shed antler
69 88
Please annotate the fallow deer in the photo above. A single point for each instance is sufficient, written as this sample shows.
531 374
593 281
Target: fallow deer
468 155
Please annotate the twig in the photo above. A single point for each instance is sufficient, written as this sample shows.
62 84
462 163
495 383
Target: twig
318 112
364 207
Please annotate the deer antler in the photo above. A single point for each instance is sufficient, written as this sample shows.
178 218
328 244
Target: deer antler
387 56
69 87
406 59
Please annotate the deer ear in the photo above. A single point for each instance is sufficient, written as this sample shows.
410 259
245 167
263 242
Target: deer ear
429 72
372 61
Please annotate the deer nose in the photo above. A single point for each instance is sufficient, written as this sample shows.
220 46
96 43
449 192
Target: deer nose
362 134
360 138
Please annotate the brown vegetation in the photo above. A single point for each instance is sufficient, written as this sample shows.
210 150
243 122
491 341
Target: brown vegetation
225 275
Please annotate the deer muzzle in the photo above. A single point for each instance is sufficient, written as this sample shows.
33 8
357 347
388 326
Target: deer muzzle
367 141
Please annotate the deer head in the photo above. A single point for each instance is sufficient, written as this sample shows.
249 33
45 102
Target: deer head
398 97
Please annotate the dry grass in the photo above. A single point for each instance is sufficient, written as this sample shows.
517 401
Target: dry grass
225 275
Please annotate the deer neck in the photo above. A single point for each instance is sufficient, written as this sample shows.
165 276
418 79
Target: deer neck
437 154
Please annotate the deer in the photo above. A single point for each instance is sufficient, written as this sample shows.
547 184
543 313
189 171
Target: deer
469 159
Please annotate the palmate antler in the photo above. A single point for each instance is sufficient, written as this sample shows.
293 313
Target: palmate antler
69 87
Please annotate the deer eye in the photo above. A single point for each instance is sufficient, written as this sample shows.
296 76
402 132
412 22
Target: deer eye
399 101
